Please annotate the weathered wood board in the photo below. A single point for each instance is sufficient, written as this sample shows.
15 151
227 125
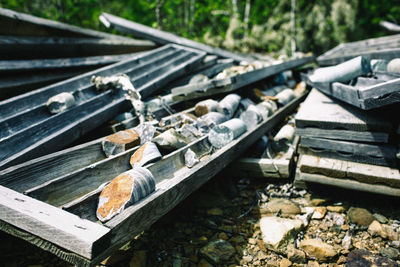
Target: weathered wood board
365 173
322 116
174 182
280 167
384 155
162 37
376 48
17 47
302 180
25 135
16 23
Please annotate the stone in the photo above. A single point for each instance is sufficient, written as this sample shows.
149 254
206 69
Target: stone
390 253
120 142
338 209
312 264
394 65
248 258
318 201
127 188
391 233
147 153
380 218
252 241
215 212
61 102
360 216
285 263
319 213
218 251
204 263
376 229
318 249
362 257
278 232
296 255
284 206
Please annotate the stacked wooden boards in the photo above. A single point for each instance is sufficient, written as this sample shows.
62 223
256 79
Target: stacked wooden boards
351 143
70 179
376 48
35 52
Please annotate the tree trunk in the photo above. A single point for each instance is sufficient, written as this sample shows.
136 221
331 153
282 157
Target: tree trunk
246 17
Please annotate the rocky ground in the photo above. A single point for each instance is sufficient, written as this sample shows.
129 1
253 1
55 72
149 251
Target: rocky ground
241 222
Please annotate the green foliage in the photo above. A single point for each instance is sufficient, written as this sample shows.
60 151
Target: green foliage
320 24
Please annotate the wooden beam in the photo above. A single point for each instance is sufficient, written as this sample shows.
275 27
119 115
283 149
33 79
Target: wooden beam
162 37
17 23
365 173
17 47
45 222
61 63
302 179
384 155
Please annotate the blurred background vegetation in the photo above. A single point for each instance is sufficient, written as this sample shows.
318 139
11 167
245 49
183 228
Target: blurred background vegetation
241 25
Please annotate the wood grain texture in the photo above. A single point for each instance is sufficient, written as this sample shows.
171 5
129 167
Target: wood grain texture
364 153
365 173
60 63
372 137
323 112
50 223
18 47
37 171
302 179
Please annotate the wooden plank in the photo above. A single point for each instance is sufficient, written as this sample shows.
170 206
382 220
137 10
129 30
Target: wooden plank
361 172
162 37
37 171
60 63
303 178
372 137
17 23
384 155
52 224
16 47
15 84
322 112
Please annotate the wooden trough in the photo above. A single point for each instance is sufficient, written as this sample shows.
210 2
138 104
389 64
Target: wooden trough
50 201
29 130
382 89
